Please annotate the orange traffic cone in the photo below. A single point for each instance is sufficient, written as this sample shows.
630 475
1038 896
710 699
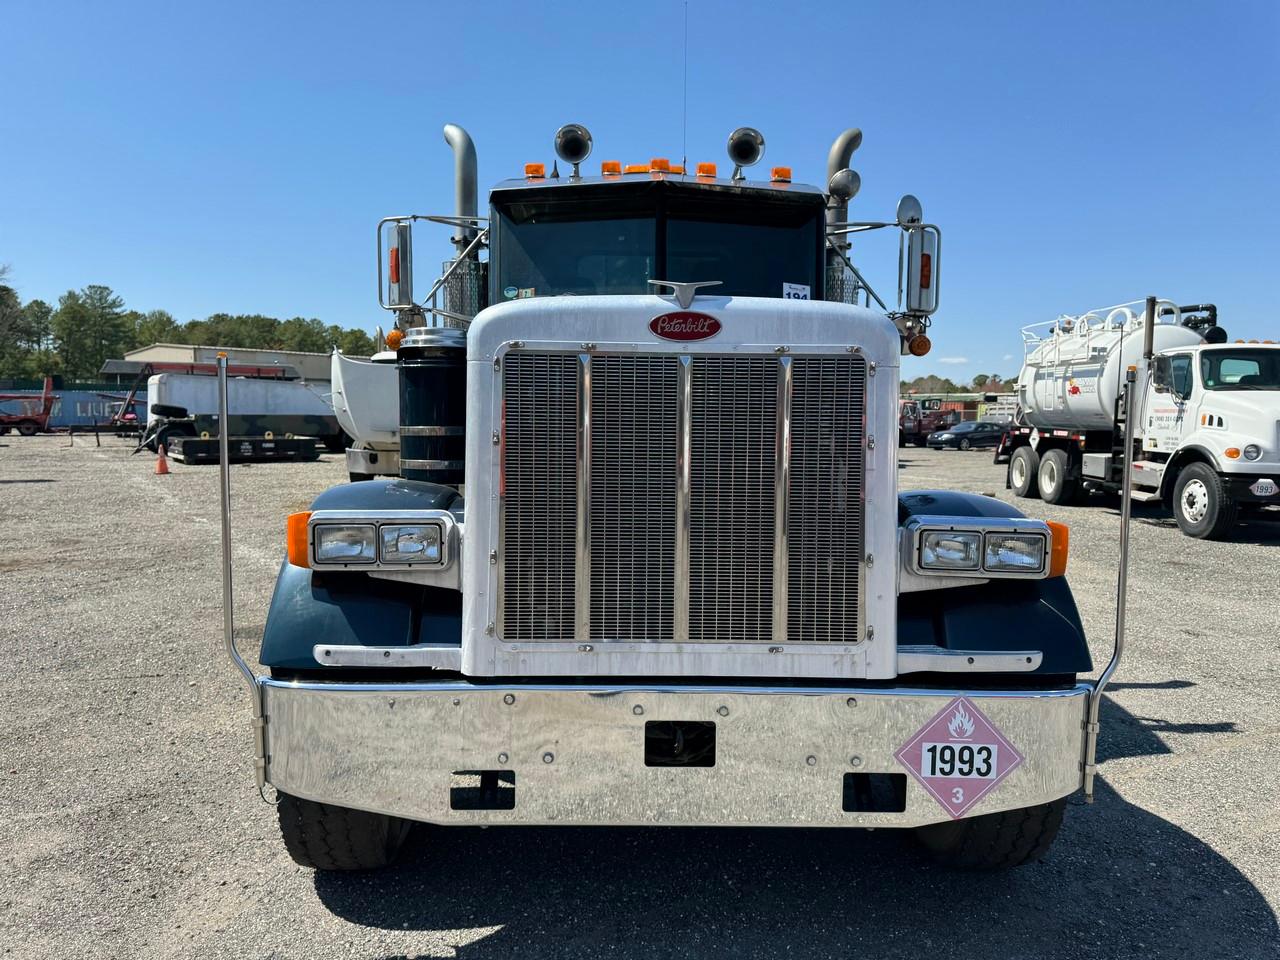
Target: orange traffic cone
162 462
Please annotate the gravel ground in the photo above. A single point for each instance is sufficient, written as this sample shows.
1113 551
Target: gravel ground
132 828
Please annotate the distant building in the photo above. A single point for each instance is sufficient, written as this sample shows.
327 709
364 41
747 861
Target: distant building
294 364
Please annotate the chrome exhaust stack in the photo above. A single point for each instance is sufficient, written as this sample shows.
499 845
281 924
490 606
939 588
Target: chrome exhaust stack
838 159
465 192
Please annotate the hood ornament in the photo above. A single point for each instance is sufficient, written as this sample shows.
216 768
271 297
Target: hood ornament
684 292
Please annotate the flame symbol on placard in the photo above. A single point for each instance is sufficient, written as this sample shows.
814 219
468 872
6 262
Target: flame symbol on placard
961 724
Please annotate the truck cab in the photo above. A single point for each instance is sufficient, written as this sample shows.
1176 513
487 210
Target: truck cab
647 561
1211 437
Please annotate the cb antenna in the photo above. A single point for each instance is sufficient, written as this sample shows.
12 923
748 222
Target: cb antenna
684 119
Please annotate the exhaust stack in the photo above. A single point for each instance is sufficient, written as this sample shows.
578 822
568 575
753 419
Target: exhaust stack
838 159
465 201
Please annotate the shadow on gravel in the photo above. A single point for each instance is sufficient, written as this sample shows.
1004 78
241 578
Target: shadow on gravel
1119 882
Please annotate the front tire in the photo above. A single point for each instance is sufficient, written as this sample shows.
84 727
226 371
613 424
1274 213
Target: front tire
996 841
324 837
1022 472
27 429
1057 485
965 444
1201 504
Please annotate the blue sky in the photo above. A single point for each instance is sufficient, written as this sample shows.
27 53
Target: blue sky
235 157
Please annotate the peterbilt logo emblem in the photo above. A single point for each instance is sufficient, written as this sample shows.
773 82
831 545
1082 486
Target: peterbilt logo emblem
684 325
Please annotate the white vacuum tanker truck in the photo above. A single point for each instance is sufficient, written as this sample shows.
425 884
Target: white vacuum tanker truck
1206 422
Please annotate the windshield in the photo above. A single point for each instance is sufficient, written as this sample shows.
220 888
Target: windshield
559 248
965 427
1240 369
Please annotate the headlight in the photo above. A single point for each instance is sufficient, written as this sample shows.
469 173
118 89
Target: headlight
1253 452
411 543
950 550
1014 552
346 543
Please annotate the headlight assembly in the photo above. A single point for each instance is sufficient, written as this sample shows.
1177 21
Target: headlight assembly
410 543
950 549
983 547
1253 452
346 543
1014 552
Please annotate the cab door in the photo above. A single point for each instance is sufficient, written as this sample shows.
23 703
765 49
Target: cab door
1170 412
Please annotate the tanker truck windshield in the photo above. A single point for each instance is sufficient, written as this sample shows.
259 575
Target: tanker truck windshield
1240 369
754 249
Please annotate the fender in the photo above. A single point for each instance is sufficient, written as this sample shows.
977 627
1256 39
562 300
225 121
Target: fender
1190 453
978 617
309 607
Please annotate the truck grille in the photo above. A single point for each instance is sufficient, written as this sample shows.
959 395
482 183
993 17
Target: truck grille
661 497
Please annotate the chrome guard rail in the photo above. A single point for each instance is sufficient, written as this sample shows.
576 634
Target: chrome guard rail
228 614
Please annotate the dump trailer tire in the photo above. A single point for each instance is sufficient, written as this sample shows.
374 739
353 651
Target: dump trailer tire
996 841
1201 504
324 837
1023 467
1054 478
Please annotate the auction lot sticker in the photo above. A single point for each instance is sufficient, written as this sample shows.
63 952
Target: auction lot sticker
959 756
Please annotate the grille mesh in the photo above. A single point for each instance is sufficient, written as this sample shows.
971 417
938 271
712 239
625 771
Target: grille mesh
824 509
731 518
540 495
633 496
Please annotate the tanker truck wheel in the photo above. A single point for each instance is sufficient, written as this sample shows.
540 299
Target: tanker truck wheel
1022 471
996 841
1201 505
1056 483
325 837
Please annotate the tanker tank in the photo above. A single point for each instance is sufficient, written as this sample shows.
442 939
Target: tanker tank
1074 366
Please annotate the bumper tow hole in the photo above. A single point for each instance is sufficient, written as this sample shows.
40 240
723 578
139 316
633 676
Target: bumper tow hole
875 792
679 743
482 790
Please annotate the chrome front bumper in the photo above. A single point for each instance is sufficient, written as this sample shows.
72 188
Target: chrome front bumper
577 752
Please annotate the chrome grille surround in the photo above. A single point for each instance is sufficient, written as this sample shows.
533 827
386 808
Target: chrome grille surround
707 498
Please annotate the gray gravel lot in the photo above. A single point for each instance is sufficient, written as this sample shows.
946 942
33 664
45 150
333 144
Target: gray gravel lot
131 826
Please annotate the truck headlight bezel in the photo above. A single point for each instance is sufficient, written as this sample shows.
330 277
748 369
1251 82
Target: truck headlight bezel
1253 452
1044 543
384 530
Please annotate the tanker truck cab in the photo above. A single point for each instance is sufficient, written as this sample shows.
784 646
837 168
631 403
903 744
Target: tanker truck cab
1212 432
683 587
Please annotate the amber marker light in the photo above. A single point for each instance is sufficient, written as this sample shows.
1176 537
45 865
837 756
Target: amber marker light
635 168
706 169
535 171
1232 453
780 175
296 538
659 165
611 168
394 339
1059 541
919 345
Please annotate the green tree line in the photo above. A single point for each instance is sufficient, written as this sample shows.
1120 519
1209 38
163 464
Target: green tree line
91 325
982 383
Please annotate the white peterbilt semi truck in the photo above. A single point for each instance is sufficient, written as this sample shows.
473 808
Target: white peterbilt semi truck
1206 420
683 587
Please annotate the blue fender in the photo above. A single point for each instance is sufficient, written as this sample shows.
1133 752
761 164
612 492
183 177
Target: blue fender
996 615
344 608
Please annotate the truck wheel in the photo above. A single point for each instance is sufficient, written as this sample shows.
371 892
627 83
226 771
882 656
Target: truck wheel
27 428
1054 478
1201 505
325 837
1022 471
996 841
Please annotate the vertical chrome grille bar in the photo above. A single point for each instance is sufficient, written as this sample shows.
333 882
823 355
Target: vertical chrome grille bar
582 564
781 496
684 433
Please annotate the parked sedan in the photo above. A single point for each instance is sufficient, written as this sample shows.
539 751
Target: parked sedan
966 435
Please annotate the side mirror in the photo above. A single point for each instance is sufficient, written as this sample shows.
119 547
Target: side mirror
1161 375
400 267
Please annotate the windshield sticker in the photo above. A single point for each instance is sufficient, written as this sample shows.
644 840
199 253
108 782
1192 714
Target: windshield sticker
795 291
526 293
510 292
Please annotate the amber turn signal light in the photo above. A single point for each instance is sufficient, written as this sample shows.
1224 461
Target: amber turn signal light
1060 540
296 537
919 345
